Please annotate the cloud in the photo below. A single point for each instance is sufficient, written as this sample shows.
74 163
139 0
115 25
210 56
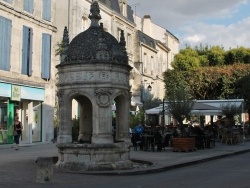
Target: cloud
176 13
213 22
230 36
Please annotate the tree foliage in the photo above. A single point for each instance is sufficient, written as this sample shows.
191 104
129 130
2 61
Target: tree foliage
202 56
180 105
186 60
215 56
230 110
243 90
210 73
237 55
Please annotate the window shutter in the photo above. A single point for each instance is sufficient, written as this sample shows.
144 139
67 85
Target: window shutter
5 43
9 1
28 5
46 56
30 52
25 50
47 10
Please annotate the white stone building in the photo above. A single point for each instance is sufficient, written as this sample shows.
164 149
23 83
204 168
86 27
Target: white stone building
29 33
27 69
154 54
150 47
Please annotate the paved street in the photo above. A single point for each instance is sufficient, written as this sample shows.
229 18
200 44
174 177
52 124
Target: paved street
18 168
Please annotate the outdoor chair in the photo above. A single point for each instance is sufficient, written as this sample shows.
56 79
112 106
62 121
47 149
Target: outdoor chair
158 141
137 141
209 141
200 141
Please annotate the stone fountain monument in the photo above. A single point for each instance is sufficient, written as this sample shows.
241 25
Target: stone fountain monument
94 71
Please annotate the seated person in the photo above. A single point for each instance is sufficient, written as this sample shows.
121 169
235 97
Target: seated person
139 129
136 138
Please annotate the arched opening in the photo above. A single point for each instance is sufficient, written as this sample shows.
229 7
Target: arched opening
121 120
82 122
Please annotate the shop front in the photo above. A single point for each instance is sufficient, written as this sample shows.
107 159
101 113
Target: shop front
26 103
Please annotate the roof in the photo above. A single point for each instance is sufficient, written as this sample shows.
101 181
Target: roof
147 40
202 107
114 5
94 44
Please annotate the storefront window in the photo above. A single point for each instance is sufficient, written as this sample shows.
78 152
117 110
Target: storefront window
3 121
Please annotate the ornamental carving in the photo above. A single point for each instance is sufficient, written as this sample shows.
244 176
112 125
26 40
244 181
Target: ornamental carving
103 97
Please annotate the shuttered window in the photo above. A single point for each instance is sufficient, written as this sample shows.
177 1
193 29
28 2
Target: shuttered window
46 55
47 10
5 43
27 51
28 5
9 1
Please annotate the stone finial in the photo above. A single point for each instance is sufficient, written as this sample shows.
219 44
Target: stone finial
122 39
102 52
123 43
94 15
65 37
65 43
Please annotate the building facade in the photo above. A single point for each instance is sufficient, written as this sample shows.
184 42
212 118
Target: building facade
154 52
27 69
150 47
30 36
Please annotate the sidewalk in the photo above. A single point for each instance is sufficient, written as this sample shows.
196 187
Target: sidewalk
14 164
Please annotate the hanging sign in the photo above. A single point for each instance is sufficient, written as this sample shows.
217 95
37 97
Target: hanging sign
15 93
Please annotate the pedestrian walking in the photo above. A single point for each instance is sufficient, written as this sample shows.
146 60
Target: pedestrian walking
17 127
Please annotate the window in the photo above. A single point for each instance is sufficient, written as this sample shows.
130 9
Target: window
47 10
152 65
27 51
28 5
8 1
129 42
118 34
5 43
84 23
145 62
46 55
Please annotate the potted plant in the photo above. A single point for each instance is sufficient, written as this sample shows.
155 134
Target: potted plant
230 111
180 106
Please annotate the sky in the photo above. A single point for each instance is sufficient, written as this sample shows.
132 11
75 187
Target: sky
224 23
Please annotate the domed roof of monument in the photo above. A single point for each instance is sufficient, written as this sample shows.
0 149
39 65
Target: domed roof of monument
94 44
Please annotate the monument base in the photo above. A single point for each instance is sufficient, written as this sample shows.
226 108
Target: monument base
94 157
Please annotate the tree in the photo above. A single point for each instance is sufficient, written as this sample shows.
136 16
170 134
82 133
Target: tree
173 80
219 82
230 110
215 56
180 106
186 60
243 91
136 119
237 55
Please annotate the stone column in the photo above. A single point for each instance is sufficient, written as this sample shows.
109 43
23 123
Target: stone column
123 120
65 125
102 125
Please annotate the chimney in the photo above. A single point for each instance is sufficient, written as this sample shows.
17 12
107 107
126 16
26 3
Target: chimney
146 25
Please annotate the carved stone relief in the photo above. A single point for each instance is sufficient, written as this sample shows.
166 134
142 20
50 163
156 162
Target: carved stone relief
90 76
103 97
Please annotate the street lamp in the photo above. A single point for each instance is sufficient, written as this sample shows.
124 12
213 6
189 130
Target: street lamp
163 114
143 97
